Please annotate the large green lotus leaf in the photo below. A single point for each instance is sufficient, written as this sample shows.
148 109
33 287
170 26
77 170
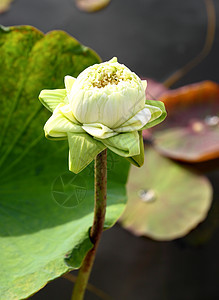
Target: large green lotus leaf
45 210
191 131
165 200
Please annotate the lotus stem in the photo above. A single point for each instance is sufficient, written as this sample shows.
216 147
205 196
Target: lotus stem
100 169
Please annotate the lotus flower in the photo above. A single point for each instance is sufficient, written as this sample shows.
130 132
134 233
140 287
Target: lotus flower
104 106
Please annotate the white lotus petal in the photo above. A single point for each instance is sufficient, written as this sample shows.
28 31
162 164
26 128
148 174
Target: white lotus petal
136 122
98 130
69 81
156 112
58 126
144 83
67 112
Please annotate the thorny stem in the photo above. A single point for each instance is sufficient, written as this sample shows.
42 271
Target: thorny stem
98 223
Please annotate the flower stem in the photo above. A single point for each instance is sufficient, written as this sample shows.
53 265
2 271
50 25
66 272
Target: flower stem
98 223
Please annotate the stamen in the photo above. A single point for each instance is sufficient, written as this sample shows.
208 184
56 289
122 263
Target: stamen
107 77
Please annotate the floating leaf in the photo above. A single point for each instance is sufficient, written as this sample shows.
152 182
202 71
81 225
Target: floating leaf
206 230
92 5
191 131
165 200
5 5
45 211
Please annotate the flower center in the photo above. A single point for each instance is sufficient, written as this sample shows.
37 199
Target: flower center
105 79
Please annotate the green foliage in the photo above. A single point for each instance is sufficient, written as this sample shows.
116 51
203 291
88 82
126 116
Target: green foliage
161 118
45 211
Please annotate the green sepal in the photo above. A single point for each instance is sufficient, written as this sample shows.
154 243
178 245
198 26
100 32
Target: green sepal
82 150
52 98
57 138
158 120
123 144
138 160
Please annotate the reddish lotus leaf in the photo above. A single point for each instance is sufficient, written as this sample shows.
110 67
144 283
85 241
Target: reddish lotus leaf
191 131
204 92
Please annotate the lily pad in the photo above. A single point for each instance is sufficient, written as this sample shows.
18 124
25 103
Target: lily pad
191 131
206 230
92 5
165 200
45 211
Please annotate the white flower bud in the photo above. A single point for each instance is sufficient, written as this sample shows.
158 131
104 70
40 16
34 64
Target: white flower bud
104 106
107 93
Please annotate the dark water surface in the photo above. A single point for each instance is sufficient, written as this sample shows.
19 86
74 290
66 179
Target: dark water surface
154 38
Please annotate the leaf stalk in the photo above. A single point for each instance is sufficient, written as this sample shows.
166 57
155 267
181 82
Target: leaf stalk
100 169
